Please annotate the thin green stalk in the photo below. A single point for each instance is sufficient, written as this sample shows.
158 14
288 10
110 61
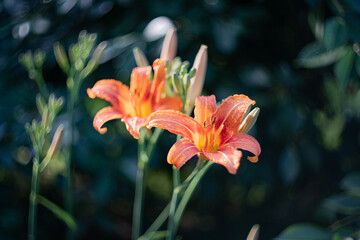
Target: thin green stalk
187 195
159 221
153 140
67 186
174 201
139 187
32 224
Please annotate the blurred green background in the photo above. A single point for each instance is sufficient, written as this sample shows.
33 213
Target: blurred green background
298 59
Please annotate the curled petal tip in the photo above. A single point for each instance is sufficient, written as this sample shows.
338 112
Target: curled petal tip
102 130
253 159
90 93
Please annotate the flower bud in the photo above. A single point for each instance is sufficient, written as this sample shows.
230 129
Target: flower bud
249 121
61 57
197 82
141 60
176 82
168 50
54 147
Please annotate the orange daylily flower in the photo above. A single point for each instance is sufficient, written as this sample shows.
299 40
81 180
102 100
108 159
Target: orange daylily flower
133 105
212 134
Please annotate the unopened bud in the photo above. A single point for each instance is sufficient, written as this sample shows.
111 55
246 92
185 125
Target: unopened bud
45 117
176 84
168 50
54 147
39 58
254 232
197 82
249 121
61 57
192 72
141 60
40 103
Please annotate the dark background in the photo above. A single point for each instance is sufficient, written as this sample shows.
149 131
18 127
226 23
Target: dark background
252 49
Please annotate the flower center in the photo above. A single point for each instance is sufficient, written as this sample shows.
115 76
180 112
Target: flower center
210 139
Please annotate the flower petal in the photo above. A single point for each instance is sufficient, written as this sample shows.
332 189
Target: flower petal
140 79
133 125
104 115
231 111
174 103
159 67
205 106
181 152
226 156
245 142
175 122
110 90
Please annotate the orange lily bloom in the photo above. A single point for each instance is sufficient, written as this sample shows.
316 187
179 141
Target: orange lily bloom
133 105
212 134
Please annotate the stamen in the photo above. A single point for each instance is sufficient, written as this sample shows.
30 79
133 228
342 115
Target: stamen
216 136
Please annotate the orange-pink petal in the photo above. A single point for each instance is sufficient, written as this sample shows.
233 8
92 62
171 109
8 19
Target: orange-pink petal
158 82
104 115
110 90
226 156
205 106
231 111
175 122
245 142
133 125
140 79
174 103
181 152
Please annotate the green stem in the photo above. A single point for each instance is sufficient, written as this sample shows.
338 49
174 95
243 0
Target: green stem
187 195
174 201
159 221
67 186
139 187
32 224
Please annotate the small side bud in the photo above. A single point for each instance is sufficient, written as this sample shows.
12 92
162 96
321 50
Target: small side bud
249 121
176 82
39 58
168 50
61 57
141 60
192 72
40 103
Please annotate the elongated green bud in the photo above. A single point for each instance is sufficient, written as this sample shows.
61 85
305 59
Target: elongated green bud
40 103
249 121
61 57
54 147
140 58
177 84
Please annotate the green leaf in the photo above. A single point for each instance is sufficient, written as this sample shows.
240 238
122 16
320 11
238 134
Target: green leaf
335 33
304 231
343 68
351 183
343 204
315 55
57 211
